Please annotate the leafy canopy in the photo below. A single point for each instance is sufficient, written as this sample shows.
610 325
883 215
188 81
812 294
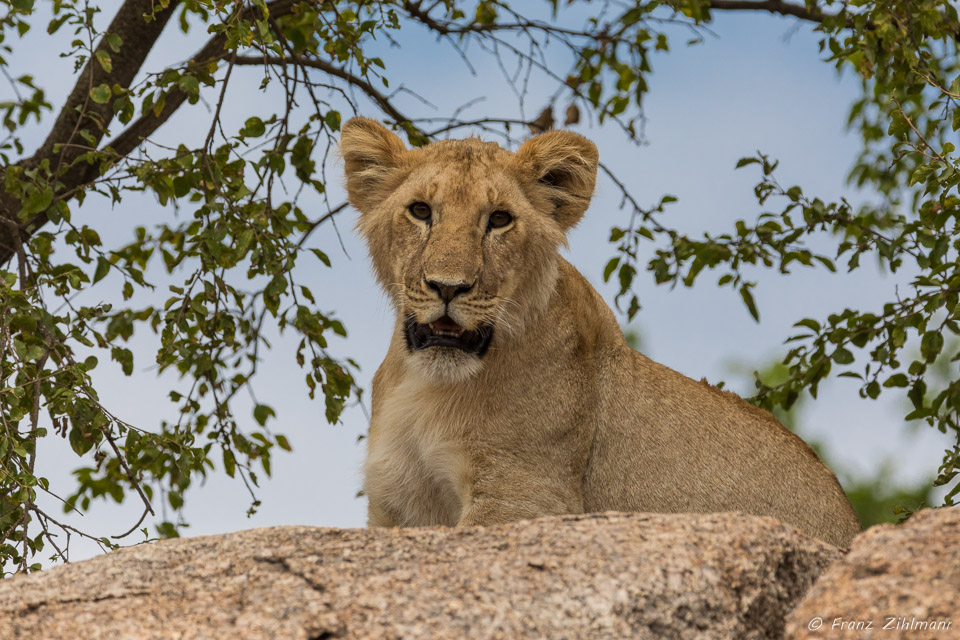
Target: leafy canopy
237 237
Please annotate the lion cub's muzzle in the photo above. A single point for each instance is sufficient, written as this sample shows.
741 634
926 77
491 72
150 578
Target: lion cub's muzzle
445 332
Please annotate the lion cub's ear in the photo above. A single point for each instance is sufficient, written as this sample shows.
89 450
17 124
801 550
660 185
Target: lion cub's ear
564 166
370 153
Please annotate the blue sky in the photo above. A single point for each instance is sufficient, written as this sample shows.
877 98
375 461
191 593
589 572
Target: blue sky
759 84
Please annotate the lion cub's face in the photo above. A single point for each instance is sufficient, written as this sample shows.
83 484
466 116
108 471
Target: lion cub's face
464 234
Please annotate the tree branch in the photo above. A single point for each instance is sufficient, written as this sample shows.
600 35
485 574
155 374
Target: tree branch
798 11
214 49
138 36
141 128
381 100
773 6
80 113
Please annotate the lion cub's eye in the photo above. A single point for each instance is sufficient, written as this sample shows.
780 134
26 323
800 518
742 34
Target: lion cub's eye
420 210
499 219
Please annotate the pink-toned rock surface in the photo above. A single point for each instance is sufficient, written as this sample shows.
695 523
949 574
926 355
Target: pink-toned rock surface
594 576
896 582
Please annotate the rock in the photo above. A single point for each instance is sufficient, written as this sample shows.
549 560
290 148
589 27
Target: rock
905 578
590 576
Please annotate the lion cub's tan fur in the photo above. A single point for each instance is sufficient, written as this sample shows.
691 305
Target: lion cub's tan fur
559 415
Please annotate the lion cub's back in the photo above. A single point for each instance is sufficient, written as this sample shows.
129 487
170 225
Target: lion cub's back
668 443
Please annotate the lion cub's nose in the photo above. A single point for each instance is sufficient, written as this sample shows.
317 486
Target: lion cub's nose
448 290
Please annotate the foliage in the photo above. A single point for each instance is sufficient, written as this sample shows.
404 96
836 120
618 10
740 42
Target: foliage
906 56
237 236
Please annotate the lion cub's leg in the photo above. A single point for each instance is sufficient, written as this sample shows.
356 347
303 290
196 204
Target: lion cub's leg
378 516
519 495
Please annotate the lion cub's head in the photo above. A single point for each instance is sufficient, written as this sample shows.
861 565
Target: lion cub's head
464 234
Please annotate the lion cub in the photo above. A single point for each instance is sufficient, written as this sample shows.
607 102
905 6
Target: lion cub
508 391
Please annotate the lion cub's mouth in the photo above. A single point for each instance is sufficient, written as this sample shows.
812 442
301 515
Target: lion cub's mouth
445 332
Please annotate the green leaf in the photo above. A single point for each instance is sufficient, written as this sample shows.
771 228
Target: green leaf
244 240
124 357
609 269
262 412
114 41
101 94
103 57
748 300
827 262
809 323
898 125
625 276
930 345
229 462
842 356
80 442
189 85
253 128
103 268
850 374
897 380
321 256
38 202
55 24
332 119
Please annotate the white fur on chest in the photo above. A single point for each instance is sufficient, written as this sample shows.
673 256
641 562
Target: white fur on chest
416 465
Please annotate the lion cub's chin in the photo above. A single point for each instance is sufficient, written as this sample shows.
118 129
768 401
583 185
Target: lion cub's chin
445 364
